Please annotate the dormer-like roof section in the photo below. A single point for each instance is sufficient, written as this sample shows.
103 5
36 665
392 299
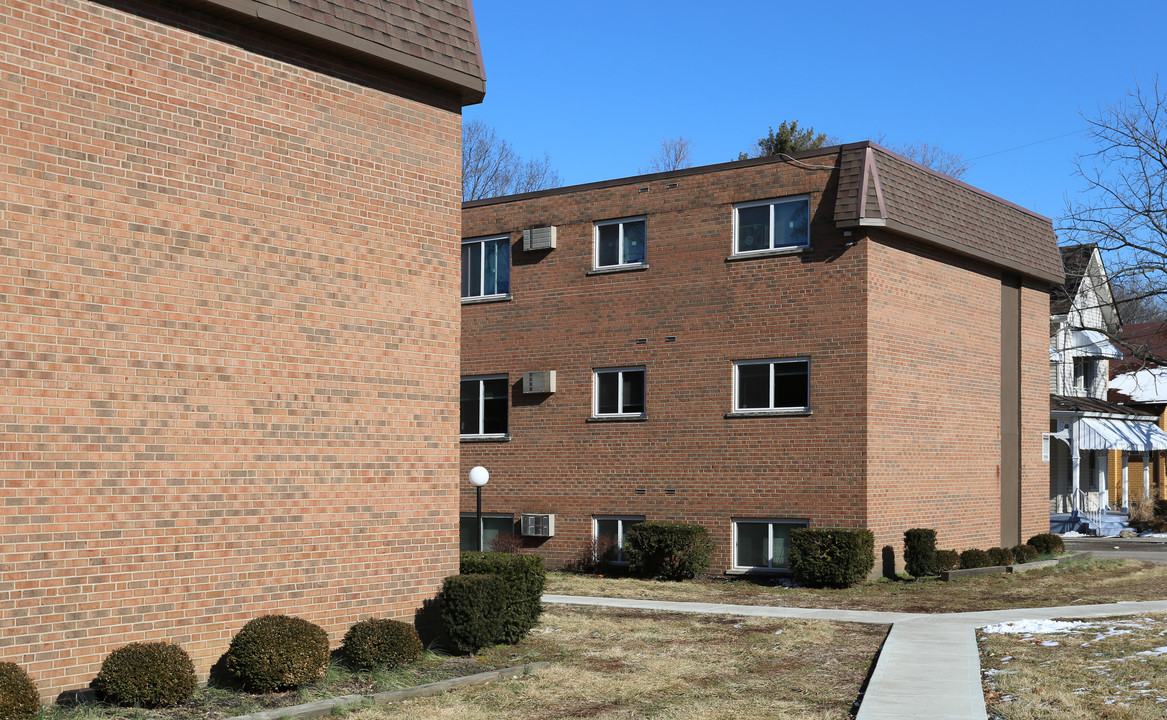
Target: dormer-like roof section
1076 260
434 41
878 188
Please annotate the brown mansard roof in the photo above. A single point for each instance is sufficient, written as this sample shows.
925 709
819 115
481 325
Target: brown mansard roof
435 41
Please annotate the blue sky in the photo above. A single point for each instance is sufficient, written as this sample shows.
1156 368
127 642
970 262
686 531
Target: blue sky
597 85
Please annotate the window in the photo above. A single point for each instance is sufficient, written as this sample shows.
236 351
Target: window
767 385
620 243
762 544
771 225
619 391
484 406
1085 372
486 267
609 536
493 526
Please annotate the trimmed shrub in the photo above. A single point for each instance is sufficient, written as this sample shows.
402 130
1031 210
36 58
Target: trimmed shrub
947 560
277 652
668 550
524 577
974 558
472 610
148 674
1000 556
1024 553
380 642
19 699
920 552
1047 544
831 557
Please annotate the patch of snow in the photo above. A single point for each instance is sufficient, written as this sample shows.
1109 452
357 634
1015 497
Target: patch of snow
1073 534
1149 534
1157 651
1051 643
1032 627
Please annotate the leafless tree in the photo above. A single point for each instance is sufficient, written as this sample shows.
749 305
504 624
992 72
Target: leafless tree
1138 300
929 155
674 154
491 167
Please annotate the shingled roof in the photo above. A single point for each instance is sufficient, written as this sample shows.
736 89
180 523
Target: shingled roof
879 188
435 41
1075 259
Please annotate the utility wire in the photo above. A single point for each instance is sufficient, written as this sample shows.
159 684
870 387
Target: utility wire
1035 142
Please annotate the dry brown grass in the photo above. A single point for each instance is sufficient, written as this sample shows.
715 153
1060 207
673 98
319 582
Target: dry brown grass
1089 673
1081 582
625 664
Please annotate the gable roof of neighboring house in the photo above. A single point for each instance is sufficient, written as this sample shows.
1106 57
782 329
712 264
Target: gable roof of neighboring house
435 41
1083 261
1065 403
1076 259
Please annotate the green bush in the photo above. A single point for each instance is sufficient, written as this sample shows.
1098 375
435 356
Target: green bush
668 550
148 674
524 578
831 557
1047 544
19 699
920 552
947 560
1024 553
974 558
1000 556
472 610
380 642
277 652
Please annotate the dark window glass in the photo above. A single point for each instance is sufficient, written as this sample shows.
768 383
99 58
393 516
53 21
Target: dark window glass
634 242
633 391
790 385
753 386
469 397
790 223
752 545
608 391
608 252
494 406
486 268
753 228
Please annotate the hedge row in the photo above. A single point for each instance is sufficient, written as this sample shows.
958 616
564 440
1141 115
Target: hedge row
921 558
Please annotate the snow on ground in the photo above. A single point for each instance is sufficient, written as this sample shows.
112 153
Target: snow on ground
1032 627
1073 534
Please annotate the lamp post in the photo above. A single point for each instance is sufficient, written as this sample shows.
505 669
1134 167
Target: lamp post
479 476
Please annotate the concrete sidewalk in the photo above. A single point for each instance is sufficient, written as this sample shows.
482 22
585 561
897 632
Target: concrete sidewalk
928 667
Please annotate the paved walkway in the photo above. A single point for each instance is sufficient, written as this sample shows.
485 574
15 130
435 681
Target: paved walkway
928 667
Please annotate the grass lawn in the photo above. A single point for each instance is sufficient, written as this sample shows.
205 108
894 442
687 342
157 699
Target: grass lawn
1077 582
1104 668
609 663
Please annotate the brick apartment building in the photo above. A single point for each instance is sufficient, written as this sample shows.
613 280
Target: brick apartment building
228 318
839 339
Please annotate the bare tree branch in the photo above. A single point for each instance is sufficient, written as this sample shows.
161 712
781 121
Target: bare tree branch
674 154
490 166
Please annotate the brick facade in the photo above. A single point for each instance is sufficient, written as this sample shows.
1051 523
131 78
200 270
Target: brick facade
228 332
903 339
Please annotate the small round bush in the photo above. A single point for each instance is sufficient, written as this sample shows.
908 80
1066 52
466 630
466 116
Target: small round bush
277 652
920 552
974 558
1000 556
379 642
948 559
1024 553
148 674
668 550
19 699
1047 544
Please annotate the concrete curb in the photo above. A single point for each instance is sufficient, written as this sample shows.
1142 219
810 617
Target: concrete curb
321 708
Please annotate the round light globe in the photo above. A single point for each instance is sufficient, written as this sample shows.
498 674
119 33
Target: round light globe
479 476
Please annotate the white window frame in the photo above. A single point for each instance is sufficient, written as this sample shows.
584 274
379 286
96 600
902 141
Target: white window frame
772 203
620 246
485 517
504 240
619 391
482 405
620 520
772 362
769 522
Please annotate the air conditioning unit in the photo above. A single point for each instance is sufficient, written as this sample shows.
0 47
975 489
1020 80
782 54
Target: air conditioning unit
538 525
542 238
539 382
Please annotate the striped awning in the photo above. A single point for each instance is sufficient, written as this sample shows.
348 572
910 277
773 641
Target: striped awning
1129 435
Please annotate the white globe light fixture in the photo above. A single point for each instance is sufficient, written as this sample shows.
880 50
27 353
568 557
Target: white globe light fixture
479 476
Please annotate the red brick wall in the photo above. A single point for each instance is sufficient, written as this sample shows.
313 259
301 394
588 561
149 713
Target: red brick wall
1034 407
228 333
560 318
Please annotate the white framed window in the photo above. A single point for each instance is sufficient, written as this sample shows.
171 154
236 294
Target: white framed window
620 243
771 225
484 403
762 544
608 533
771 385
486 267
619 392
493 526
1085 374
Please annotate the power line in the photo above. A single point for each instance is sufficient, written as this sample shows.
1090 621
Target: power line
1035 142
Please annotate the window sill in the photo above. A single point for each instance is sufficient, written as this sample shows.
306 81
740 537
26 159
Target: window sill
769 413
617 269
618 418
758 571
488 299
768 253
484 438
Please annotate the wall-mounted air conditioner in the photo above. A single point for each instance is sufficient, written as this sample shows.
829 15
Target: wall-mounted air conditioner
538 525
539 382
541 238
